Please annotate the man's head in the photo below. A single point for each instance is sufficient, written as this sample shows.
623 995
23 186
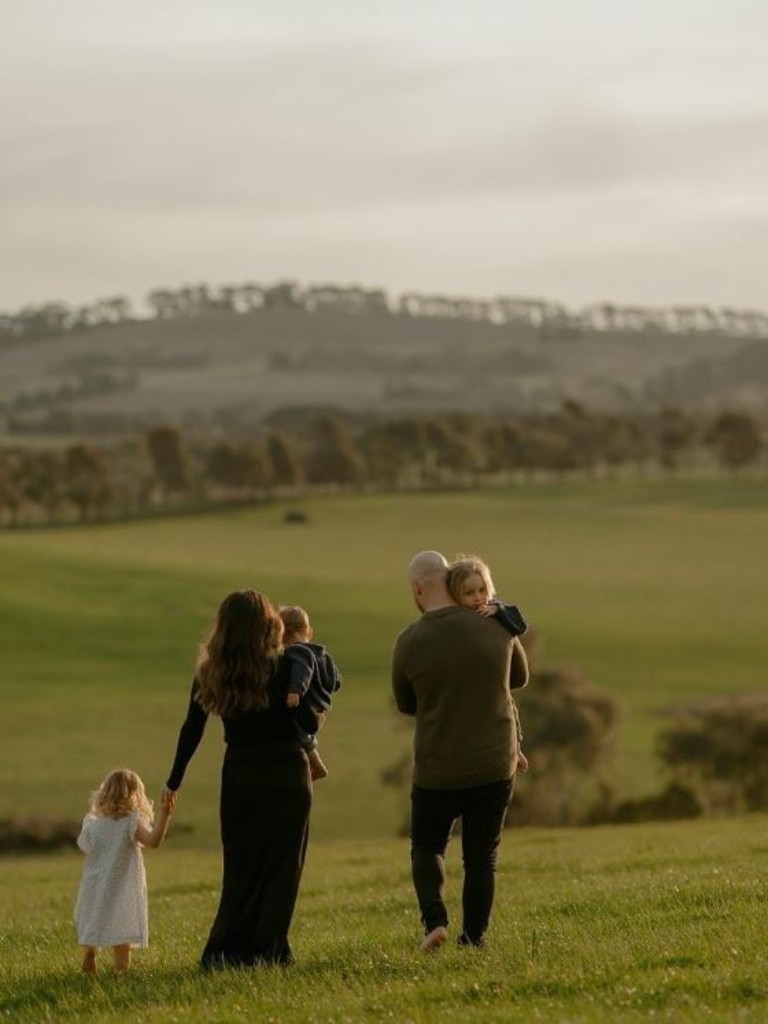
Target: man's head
427 577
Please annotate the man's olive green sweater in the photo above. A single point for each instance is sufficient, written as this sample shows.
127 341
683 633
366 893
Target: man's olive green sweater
453 670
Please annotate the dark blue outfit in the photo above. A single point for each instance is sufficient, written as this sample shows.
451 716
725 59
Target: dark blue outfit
319 679
510 617
314 677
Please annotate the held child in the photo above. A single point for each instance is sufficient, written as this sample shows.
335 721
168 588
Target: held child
111 907
471 586
313 672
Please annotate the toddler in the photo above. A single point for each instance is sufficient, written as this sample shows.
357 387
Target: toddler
313 673
470 585
111 907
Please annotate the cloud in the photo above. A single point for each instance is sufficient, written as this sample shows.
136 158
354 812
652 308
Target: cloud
419 137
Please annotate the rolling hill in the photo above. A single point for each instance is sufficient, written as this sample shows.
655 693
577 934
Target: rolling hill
223 368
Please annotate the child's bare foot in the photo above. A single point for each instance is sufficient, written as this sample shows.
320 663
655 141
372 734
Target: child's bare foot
89 961
317 769
122 957
434 940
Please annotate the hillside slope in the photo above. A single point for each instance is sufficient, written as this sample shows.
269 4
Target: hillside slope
222 367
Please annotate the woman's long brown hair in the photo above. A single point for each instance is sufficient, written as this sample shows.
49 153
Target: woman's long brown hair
236 661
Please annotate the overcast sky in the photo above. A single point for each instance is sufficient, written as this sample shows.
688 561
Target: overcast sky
576 150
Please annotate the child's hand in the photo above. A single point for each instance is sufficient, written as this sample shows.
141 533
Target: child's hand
522 762
168 800
487 609
292 700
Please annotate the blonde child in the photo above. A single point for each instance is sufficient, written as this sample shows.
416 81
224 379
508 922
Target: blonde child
111 907
313 673
470 585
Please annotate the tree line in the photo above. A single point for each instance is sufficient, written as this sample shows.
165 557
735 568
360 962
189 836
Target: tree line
549 319
165 468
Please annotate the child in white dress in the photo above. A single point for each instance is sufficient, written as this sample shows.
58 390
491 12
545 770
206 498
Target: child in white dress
111 907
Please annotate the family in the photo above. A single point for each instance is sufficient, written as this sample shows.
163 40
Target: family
261 672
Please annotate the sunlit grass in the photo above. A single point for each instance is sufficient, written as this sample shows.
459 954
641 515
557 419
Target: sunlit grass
630 923
655 591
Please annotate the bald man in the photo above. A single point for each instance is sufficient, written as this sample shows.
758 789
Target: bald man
453 670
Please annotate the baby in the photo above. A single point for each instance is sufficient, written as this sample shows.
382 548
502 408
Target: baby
313 673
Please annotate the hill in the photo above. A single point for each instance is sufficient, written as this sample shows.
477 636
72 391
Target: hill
222 368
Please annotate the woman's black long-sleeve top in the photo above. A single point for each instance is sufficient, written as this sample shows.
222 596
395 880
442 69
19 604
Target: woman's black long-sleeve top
274 724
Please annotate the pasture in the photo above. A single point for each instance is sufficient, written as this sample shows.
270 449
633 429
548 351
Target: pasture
663 923
654 590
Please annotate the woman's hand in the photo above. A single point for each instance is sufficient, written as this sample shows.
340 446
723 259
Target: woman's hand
168 798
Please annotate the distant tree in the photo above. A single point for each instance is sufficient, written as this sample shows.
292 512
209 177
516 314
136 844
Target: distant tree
626 441
737 439
550 447
507 446
288 469
43 321
163 303
194 300
11 495
86 479
569 727
242 467
131 472
676 433
394 451
41 480
448 452
283 295
582 437
334 456
113 310
249 296
720 751
169 459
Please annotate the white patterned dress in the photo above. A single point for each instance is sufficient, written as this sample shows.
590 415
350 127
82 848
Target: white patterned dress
111 907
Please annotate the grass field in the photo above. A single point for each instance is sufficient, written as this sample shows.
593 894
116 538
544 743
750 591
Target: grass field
625 924
655 591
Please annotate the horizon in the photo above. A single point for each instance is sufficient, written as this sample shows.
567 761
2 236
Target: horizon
139 304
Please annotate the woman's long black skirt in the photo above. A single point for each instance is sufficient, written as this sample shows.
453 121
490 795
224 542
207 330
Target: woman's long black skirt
266 796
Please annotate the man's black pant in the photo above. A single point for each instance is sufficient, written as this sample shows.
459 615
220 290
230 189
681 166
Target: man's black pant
482 810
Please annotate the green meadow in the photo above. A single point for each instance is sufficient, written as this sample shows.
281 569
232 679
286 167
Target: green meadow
655 590
621 924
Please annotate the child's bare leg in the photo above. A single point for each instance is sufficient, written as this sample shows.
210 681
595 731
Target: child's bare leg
122 957
89 959
316 767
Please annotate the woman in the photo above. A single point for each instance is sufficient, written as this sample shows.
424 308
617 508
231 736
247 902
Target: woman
266 791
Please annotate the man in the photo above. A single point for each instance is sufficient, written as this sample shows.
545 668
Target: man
453 670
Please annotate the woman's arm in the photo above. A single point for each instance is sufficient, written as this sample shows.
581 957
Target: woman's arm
190 735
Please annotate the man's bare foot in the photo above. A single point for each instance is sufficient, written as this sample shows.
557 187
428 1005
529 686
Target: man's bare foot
434 940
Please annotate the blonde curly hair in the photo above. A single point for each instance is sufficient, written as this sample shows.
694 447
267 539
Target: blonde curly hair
120 794
464 566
